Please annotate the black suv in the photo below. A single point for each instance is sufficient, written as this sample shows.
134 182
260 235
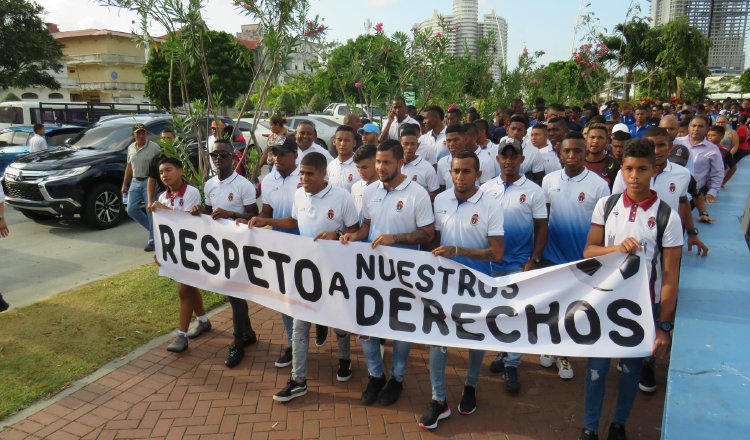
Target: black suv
83 178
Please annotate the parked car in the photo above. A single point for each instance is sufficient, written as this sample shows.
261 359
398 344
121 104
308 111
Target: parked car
14 140
80 179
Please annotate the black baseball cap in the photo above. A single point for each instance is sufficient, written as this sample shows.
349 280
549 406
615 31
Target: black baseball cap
512 143
284 144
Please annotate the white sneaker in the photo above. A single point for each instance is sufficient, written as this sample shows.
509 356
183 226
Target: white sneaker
565 370
546 360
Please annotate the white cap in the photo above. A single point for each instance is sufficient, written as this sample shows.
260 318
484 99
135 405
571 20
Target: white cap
620 127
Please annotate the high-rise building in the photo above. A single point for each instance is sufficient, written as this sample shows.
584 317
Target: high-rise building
724 21
464 30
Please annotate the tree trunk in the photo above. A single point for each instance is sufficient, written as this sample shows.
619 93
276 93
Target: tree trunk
627 83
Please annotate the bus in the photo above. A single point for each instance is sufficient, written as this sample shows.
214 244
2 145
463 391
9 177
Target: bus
71 113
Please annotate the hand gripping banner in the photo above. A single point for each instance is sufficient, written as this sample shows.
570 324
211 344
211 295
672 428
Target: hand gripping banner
598 307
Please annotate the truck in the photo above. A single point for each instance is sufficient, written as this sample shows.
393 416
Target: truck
72 113
337 111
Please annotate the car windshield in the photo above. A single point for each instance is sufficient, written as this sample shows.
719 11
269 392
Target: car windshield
11 115
103 137
324 121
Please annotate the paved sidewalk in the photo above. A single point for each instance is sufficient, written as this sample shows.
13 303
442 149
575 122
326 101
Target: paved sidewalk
194 396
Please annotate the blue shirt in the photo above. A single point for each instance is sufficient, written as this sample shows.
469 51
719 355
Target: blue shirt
636 132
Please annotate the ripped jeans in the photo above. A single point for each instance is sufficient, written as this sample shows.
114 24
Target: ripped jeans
593 390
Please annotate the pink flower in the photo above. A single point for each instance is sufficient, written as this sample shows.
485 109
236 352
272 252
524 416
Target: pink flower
456 27
451 107
439 35
379 28
534 82
358 84
525 51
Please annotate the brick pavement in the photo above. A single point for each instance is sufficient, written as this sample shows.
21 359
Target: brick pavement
160 395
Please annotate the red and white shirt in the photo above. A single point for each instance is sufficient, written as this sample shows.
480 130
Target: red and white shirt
182 200
670 184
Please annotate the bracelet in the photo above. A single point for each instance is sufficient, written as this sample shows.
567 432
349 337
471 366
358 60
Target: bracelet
704 214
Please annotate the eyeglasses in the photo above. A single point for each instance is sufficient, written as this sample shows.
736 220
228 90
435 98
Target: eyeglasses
221 154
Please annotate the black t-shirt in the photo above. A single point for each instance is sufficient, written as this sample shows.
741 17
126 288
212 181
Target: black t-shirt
153 171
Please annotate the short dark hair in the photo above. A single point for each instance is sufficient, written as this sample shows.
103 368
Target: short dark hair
598 119
599 127
168 130
640 147
456 111
170 160
574 135
308 123
435 109
539 126
365 152
520 117
37 127
684 123
465 154
718 129
704 117
454 128
470 128
653 132
408 130
481 125
348 129
394 147
316 160
399 98
642 107
223 141
556 107
277 120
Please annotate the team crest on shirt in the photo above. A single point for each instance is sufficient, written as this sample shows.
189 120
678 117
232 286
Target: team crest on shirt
474 219
350 177
182 202
400 205
651 222
230 197
330 214
522 199
581 197
414 178
672 187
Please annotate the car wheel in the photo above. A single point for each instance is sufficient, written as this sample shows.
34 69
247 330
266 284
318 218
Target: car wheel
36 215
103 208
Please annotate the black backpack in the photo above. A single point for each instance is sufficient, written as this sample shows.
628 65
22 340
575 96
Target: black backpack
662 216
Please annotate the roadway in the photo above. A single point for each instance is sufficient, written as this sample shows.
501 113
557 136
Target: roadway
41 259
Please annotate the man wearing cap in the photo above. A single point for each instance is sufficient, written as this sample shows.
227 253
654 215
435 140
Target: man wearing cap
620 136
135 182
369 134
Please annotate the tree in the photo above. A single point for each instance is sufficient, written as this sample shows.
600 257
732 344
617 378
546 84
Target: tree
744 81
685 51
631 46
228 63
28 50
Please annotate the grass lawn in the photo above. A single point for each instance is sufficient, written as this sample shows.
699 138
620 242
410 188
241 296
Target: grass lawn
46 346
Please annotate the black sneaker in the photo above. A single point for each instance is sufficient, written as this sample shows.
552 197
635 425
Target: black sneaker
149 248
647 382
616 432
249 338
511 380
293 389
3 305
468 401
285 360
436 412
498 365
370 394
235 356
391 393
321 335
345 370
588 435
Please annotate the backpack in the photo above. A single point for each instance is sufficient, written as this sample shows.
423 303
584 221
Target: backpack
662 216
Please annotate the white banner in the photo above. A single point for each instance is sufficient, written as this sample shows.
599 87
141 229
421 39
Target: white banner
593 308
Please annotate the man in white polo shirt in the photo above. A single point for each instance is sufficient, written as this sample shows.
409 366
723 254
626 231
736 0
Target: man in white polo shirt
342 171
571 195
462 137
469 230
364 159
320 211
305 136
432 144
396 118
416 168
231 196
533 165
396 212
525 226
37 142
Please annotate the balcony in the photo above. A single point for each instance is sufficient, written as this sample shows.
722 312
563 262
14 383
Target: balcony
104 59
112 85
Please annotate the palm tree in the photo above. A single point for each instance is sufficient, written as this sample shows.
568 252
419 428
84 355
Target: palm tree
631 46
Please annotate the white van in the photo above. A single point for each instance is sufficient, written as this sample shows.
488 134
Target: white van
73 113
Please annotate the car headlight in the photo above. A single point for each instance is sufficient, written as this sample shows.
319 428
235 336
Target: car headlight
65 174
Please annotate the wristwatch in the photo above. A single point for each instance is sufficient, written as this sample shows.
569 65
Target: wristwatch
704 214
693 231
664 325
536 260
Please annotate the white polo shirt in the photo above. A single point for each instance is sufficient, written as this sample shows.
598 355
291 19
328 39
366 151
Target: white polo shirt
670 184
316 148
486 166
232 194
532 160
331 209
468 224
628 219
37 143
395 125
572 201
419 170
521 202
183 200
404 209
431 146
278 191
550 159
343 174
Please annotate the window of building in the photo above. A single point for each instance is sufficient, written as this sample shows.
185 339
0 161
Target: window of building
29 95
56 96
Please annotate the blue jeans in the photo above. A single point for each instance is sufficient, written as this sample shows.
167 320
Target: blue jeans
593 390
301 344
137 195
510 359
374 360
438 359
288 327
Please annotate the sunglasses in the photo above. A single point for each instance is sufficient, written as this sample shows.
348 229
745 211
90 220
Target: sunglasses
221 154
